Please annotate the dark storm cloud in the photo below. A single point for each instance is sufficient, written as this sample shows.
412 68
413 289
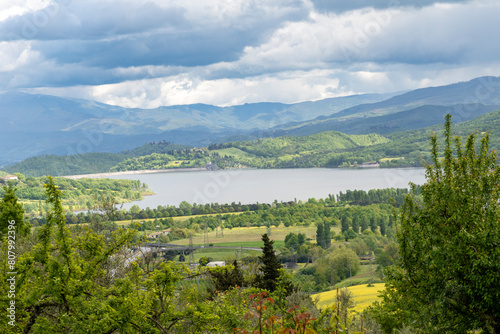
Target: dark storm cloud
90 20
155 52
109 34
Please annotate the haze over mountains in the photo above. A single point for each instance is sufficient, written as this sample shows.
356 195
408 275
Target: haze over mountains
41 124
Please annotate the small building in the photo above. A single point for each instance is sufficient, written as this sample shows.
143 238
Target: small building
156 235
211 166
216 264
371 164
9 178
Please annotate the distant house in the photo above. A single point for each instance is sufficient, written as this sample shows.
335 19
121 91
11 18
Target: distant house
9 178
216 264
211 166
372 164
156 235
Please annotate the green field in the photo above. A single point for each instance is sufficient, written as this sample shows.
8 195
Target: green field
235 152
364 296
249 236
220 254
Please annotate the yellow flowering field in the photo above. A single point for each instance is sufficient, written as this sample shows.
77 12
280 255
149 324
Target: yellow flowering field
363 296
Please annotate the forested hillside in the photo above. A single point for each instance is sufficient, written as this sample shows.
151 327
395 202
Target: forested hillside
325 149
80 194
87 163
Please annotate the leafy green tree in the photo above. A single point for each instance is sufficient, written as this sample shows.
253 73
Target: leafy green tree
292 240
345 262
301 238
12 211
204 260
226 277
447 279
83 283
64 284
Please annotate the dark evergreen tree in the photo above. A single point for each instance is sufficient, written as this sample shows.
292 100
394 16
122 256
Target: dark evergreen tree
320 235
373 224
382 227
355 224
327 235
270 266
344 224
364 223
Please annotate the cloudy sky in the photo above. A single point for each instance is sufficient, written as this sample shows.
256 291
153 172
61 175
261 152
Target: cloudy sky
146 53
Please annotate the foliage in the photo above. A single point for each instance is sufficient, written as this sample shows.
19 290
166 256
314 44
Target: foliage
447 278
12 211
86 163
226 277
63 279
294 240
270 266
79 194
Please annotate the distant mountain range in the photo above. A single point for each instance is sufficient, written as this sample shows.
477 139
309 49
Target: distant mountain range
32 124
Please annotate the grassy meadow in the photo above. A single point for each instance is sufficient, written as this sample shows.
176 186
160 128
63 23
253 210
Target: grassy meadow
249 236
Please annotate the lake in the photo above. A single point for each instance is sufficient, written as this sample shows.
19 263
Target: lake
266 185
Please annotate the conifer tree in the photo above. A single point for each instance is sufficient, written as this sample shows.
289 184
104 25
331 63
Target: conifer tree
344 224
327 235
355 224
270 267
320 235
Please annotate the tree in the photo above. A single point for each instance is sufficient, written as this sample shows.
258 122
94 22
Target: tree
320 235
327 235
344 224
373 224
447 279
292 240
226 277
355 224
301 238
345 262
12 211
270 267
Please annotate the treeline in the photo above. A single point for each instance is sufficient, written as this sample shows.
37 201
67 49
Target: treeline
394 196
188 158
374 215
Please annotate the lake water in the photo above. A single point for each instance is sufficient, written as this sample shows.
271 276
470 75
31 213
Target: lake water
266 185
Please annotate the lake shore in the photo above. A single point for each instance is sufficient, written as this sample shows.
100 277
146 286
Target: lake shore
132 172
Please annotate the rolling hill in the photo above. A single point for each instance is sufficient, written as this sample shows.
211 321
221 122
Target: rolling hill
32 125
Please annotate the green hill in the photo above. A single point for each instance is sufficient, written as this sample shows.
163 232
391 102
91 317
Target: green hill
325 149
87 163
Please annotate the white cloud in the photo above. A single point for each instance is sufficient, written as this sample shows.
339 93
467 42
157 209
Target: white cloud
228 52
19 7
184 89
